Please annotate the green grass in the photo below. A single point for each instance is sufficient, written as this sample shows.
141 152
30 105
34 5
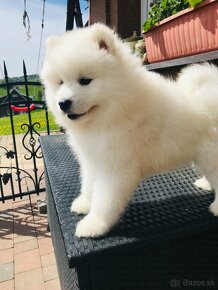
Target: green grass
3 92
36 116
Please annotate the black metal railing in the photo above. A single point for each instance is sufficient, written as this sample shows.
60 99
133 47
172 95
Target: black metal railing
14 180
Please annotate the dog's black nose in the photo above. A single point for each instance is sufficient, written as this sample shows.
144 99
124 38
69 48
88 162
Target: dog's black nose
65 105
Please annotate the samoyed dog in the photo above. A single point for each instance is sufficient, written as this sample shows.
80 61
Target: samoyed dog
125 123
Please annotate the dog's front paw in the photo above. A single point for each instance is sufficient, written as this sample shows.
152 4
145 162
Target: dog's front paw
81 205
203 183
91 226
214 208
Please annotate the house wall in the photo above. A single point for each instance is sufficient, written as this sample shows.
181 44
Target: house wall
98 11
123 15
15 96
3 111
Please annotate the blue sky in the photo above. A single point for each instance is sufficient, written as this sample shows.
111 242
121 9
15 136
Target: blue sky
83 3
14 45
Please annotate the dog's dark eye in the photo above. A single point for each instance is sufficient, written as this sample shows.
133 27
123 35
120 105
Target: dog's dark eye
61 83
85 81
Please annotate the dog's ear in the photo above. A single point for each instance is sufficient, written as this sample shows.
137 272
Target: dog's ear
105 37
51 42
103 45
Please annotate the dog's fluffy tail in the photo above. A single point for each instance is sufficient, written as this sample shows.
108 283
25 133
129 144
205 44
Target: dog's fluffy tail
200 85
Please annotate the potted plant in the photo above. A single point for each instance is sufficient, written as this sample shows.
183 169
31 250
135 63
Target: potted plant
184 31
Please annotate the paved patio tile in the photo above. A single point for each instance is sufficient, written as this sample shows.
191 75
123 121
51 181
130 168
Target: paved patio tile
19 201
42 232
7 205
53 285
26 220
25 246
6 256
50 272
6 272
40 221
45 246
7 285
42 195
21 228
24 229
47 260
27 261
32 279
23 238
6 242
6 223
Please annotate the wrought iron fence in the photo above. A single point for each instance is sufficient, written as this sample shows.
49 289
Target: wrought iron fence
15 180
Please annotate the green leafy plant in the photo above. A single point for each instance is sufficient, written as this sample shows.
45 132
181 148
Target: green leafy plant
165 8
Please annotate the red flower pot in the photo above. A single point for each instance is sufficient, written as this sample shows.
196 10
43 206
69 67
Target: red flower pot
191 31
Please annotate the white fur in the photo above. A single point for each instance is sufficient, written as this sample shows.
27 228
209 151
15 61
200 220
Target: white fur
141 124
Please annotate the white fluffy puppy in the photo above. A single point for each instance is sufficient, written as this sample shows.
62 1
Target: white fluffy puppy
125 123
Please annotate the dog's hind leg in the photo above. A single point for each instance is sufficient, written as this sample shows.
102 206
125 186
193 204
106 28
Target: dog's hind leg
213 178
214 205
207 162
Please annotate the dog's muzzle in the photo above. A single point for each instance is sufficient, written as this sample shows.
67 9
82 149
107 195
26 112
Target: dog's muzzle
66 106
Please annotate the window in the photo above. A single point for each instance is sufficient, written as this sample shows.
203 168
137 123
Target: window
145 7
8 112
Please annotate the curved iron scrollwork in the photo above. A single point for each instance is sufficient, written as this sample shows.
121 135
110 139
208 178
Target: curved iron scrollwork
33 152
21 174
42 176
14 176
6 177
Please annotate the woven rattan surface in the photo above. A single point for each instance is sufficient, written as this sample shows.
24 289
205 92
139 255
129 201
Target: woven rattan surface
164 207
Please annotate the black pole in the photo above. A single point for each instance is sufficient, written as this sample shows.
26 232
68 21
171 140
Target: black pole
73 12
12 129
70 14
78 15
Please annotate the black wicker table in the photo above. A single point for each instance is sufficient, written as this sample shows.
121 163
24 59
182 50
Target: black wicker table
166 239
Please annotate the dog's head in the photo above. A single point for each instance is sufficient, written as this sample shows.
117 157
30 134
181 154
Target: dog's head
82 73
